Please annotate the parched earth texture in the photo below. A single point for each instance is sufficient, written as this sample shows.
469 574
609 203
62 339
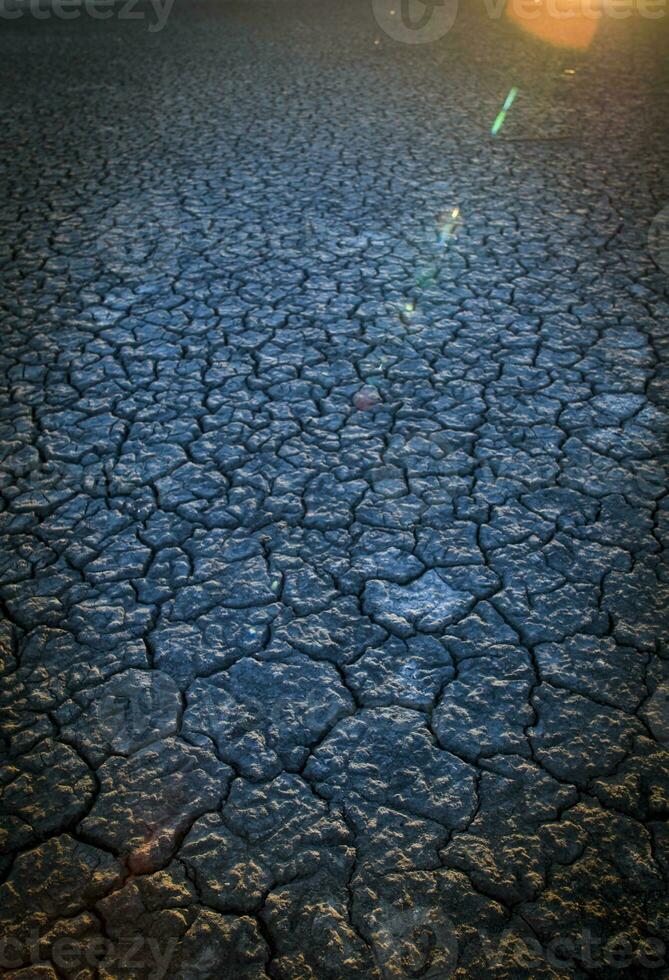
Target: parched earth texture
333 508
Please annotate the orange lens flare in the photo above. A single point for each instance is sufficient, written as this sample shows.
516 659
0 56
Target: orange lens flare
563 23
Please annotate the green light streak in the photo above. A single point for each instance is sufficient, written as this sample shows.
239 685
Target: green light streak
498 123
508 102
510 99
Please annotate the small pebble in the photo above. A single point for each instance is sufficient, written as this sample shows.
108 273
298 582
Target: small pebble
368 397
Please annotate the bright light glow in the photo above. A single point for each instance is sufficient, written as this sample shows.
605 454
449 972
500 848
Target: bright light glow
449 225
564 23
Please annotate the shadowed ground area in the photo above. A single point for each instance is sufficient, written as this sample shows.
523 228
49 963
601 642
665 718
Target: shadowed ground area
333 508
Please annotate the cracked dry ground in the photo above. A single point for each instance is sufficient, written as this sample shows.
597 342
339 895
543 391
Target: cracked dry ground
298 684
